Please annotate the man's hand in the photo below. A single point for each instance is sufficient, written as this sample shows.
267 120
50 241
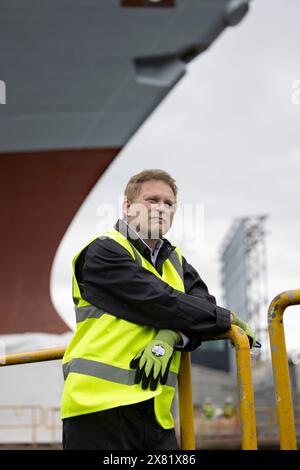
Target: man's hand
152 363
235 320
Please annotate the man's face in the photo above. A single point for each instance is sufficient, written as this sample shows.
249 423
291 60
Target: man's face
151 213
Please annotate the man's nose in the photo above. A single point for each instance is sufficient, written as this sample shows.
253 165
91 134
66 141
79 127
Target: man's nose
160 207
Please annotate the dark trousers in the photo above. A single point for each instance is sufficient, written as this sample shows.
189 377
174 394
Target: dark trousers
131 427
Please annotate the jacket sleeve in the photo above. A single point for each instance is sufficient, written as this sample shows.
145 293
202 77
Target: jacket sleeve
196 287
112 280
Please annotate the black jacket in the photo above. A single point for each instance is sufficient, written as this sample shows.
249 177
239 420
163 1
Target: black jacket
111 280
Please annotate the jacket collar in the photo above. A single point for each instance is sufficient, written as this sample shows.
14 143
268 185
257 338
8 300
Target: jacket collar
165 249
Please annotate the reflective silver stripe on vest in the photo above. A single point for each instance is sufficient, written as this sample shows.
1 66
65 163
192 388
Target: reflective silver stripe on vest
174 258
107 372
88 311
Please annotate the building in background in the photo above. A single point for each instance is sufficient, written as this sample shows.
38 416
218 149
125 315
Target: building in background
244 274
244 282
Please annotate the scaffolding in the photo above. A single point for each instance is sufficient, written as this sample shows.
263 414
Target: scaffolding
244 272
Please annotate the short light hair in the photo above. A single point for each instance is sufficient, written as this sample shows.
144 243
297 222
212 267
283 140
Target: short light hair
135 183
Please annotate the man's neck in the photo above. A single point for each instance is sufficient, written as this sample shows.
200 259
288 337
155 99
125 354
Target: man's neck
151 242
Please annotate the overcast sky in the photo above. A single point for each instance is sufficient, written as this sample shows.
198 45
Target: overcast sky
229 135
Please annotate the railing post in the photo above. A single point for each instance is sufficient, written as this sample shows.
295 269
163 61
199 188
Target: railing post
245 387
186 412
283 395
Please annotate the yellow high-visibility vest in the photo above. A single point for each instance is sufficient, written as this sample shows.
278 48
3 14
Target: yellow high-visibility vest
96 361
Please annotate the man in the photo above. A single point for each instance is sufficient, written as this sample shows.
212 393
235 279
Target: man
209 408
138 304
228 408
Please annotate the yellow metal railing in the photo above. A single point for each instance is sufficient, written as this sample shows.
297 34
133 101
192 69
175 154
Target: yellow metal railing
187 434
244 385
237 336
284 404
186 412
39 355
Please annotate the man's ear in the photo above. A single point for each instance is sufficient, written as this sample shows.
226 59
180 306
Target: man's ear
126 206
